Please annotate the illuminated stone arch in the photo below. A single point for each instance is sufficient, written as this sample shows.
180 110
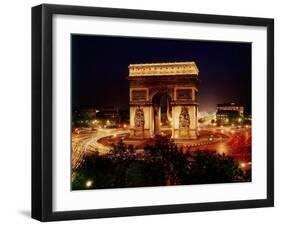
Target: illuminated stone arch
179 81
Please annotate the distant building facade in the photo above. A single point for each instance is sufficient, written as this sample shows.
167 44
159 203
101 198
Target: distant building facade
107 113
229 113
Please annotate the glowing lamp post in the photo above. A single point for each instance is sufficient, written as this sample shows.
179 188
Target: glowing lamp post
89 183
239 120
243 165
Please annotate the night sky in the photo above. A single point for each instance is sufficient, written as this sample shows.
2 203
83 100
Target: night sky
100 68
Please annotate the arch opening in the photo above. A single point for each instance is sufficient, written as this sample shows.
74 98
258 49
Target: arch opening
162 112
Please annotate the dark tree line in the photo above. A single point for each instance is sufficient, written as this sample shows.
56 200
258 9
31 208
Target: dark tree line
158 165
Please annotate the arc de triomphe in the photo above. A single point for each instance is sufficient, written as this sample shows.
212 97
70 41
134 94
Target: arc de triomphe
163 96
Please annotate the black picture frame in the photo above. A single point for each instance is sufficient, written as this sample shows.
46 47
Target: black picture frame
42 111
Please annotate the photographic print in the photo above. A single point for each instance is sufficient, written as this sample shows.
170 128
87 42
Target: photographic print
159 112
138 112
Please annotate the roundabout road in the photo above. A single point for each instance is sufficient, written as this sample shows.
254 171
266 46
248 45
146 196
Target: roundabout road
81 144
234 144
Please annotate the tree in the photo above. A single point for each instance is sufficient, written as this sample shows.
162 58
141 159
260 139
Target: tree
122 151
119 150
163 163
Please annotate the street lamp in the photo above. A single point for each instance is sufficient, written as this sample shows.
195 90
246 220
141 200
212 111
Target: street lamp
88 183
243 165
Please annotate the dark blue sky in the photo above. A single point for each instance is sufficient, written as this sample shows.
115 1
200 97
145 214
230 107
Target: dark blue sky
100 68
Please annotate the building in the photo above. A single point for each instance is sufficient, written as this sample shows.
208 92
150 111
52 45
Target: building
116 115
161 92
229 113
107 113
82 116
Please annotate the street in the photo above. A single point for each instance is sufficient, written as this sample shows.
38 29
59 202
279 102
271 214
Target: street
233 141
